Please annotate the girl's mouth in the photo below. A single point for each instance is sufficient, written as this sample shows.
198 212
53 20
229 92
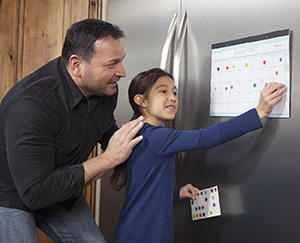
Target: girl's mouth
171 107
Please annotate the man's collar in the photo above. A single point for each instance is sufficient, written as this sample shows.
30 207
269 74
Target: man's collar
73 93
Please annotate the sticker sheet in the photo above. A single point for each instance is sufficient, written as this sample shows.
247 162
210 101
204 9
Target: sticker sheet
207 204
241 69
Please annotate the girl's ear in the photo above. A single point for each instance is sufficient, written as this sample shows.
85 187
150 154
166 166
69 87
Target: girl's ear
139 100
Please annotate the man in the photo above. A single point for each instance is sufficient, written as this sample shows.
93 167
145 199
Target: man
49 123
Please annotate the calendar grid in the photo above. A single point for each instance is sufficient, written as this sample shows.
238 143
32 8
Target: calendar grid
240 73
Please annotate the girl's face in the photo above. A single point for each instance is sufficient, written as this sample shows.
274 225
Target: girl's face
161 104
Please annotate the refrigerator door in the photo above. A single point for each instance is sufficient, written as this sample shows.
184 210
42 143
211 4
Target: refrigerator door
145 24
257 174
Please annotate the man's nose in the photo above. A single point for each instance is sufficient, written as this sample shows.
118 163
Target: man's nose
121 71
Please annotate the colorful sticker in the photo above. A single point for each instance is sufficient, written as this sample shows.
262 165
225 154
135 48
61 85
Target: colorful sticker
207 204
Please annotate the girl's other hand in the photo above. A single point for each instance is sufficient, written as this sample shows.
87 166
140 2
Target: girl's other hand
188 191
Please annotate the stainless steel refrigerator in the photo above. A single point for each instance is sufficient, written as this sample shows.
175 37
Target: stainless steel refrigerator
258 175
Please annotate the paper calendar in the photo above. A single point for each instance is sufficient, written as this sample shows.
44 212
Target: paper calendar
241 69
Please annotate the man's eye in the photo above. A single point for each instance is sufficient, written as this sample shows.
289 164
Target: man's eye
111 65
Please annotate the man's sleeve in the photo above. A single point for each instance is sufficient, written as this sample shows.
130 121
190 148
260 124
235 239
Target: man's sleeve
29 131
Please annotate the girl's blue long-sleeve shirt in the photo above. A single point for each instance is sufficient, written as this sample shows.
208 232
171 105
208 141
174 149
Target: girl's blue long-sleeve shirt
146 215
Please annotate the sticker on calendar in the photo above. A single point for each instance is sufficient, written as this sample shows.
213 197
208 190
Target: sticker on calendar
207 204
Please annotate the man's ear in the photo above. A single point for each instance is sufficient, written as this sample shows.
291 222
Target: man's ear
75 63
139 100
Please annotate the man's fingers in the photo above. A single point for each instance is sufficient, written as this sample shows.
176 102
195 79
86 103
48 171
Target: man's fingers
130 129
123 141
135 129
130 125
135 141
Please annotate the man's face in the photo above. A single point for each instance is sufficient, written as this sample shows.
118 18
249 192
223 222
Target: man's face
100 76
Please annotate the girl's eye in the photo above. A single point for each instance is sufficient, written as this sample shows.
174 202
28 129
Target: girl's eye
163 91
175 93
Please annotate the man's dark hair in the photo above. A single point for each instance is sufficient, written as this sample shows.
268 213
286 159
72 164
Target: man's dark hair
80 38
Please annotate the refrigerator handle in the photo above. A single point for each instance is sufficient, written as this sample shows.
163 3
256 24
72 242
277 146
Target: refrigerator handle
179 41
176 61
168 42
176 72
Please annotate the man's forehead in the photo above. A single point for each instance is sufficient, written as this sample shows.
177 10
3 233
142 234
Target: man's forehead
110 45
108 41
109 50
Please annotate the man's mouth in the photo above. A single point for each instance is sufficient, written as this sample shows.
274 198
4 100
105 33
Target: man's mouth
114 80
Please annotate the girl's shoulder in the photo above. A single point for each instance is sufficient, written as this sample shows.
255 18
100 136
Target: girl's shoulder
157 133
149 129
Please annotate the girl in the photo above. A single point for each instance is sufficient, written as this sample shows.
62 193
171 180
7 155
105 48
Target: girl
146 215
